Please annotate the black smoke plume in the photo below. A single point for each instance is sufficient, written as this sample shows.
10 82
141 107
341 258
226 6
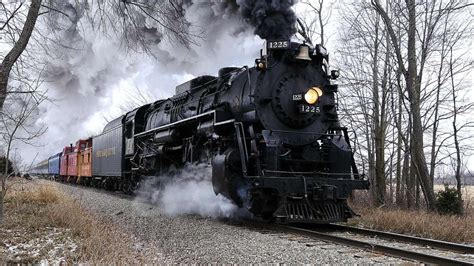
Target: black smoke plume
272 19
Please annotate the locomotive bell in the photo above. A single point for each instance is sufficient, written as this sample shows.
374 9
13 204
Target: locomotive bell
303 53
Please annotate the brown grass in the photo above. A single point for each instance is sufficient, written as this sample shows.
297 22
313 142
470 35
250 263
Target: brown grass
416 222
42 196
419 223
45 206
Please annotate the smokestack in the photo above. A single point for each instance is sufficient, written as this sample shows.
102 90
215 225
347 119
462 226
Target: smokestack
272 19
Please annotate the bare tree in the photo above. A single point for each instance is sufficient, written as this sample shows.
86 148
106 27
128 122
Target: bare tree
139 25
313 22
458 109
412 80
452 67
366 78
457 173
10 59
136 97
394 84
16 122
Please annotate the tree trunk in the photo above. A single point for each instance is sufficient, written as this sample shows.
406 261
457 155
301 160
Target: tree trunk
390 197
398 177
411 182
371 162
3 188
2 215
382 126
417 194
455 133
7 158
3 178
370 156
417 153
18 48
458 166
406 173
321 24
378 131
413 88
434 134
399 192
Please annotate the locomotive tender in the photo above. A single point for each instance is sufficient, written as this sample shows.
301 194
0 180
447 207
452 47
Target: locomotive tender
270 133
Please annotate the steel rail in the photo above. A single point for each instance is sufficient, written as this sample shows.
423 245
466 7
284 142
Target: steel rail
450 246
372 247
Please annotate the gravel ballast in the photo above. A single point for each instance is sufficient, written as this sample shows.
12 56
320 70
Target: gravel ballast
195 239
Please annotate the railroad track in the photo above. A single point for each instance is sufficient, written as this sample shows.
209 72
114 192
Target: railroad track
405 253
449 246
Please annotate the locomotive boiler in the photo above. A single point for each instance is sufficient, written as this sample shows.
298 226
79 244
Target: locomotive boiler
271 134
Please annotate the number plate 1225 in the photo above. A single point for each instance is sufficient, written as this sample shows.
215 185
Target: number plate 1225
305 108
278 44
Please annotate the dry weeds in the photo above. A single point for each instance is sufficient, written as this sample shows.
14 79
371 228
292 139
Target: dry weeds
416 222
34 209
419 223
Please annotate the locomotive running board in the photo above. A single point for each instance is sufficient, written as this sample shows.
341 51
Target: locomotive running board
176 123
215 114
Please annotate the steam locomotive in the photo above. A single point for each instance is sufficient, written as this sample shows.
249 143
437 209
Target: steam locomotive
271 134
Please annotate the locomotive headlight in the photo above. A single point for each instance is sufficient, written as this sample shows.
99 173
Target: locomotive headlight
312 95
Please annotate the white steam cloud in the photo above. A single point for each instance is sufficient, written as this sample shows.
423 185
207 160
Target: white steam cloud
91 77
189 192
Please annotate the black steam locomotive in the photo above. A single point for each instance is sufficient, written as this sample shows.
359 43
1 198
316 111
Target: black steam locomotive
270 132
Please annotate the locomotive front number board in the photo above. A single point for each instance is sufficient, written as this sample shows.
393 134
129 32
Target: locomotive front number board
278 44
